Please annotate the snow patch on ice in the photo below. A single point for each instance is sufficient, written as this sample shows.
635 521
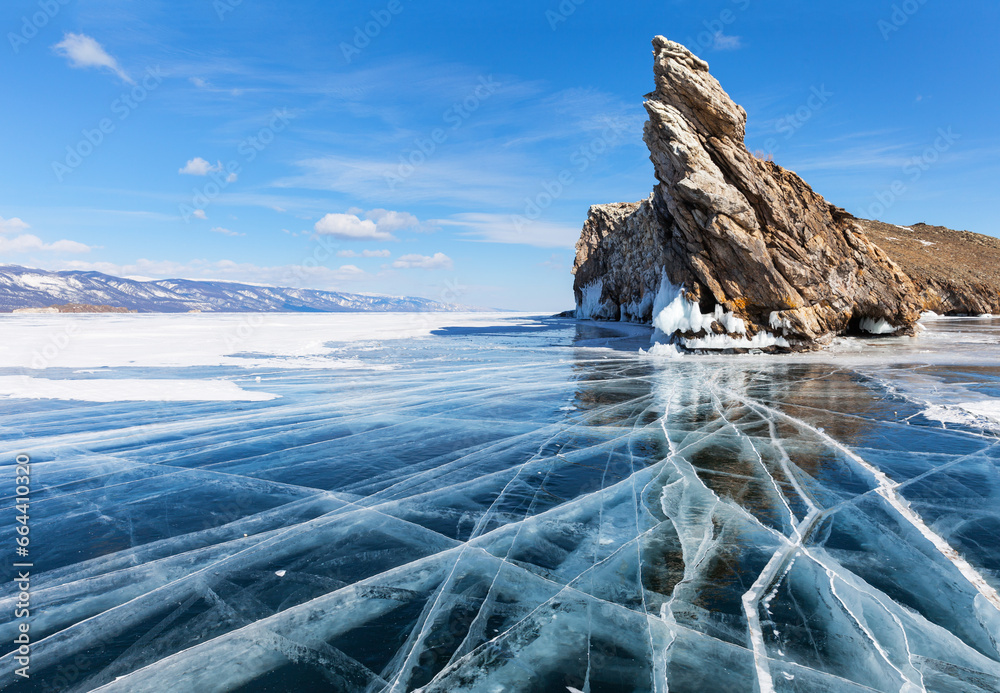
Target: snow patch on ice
663 351
123 390
239 340
981 414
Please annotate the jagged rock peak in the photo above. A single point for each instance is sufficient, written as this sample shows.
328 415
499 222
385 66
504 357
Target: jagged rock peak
730 251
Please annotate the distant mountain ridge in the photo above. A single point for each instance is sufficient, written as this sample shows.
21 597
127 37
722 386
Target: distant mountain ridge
22 287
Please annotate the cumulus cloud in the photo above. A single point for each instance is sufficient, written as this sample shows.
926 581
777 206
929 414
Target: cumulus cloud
14 225
374 224
199 167
350 227
82 51
225 232
363 253
27 243
392 221
199 214
431 262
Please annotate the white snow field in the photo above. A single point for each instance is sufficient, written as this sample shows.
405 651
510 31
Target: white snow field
495 503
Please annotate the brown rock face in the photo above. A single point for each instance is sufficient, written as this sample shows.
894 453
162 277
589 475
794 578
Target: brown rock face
956 272
732 230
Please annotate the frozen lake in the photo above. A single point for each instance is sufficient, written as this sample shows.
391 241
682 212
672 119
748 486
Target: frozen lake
496 502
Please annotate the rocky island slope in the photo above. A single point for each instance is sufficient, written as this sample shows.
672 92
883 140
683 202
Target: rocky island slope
730 251
956 272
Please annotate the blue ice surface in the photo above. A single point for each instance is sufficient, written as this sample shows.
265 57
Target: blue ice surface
533 506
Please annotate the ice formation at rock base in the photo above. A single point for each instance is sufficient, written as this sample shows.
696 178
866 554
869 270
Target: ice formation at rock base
526 505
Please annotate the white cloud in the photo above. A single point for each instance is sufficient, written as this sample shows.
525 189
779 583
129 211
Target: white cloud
199 82
14 225
392 221
375 224
199 167
514 229
433 262
351 227
199 214
27 243
722 42
83 51
363 253
225 232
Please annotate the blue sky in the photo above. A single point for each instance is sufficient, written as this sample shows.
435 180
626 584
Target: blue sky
451 150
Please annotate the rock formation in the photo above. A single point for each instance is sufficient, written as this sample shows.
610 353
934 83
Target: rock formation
731 251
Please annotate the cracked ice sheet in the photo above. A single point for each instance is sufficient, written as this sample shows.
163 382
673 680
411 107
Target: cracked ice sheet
512 505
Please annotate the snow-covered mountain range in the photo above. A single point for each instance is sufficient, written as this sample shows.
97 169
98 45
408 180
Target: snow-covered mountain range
21 287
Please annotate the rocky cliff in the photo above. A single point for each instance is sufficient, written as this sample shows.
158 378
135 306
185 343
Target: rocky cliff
730 251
